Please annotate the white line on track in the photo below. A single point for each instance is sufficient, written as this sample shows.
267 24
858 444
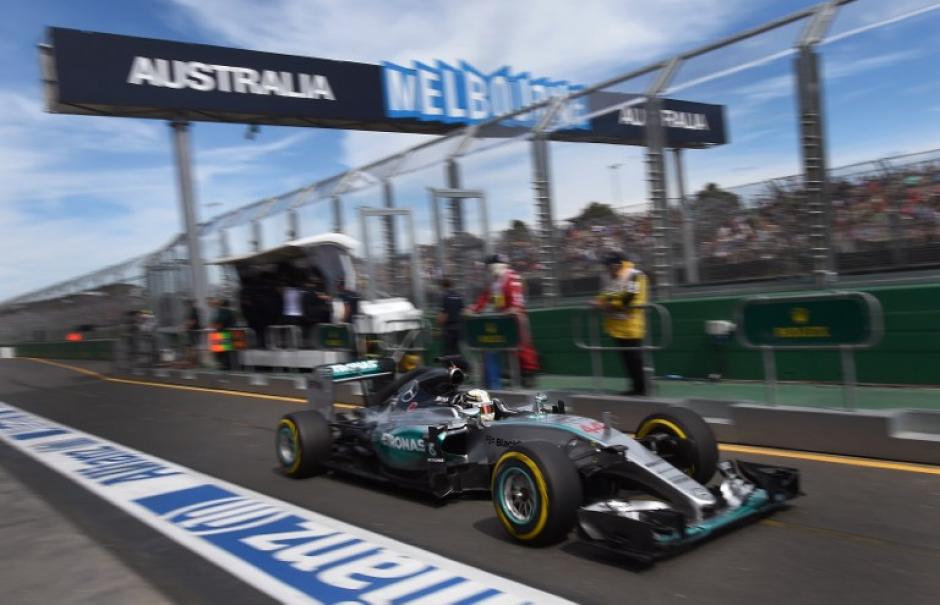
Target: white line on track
287 552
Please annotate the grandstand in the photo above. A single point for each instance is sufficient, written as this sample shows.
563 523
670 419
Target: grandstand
886 218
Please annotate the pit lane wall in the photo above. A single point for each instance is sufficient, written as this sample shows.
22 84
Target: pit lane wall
103 350
903 435
908 354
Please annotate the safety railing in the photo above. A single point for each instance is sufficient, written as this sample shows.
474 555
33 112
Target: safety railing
283 337
414 340
597 349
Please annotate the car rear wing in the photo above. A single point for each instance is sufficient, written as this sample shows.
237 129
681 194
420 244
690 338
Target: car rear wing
326 386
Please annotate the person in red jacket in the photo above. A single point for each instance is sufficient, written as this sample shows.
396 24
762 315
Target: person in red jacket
505 295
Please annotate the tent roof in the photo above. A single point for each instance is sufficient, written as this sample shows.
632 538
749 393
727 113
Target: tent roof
292 249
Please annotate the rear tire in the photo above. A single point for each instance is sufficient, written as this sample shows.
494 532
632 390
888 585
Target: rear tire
303 444
683 439
536 491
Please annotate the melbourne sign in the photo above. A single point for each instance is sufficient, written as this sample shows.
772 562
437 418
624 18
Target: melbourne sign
107 74
820 321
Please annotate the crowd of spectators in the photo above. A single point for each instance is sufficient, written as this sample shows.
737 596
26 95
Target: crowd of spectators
763 228
872 212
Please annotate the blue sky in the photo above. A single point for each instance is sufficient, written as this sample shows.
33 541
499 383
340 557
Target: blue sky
83 192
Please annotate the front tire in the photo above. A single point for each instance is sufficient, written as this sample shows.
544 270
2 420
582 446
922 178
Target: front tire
683 439
536 492
303 444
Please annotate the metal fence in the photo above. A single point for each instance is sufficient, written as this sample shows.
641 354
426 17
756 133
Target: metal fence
771 80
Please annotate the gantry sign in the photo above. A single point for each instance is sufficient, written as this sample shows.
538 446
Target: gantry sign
106 74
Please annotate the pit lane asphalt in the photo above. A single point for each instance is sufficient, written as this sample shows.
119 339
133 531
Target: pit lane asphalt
860 535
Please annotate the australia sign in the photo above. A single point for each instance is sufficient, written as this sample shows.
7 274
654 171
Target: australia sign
114 75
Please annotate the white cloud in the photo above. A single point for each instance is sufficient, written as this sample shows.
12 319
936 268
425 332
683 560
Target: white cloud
553 37
61 216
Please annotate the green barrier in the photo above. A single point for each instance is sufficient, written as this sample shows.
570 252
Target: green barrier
334 337
102 349
492 332
817 322
842 321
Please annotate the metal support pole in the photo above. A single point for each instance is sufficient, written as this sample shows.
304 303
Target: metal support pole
457 223
225 249
770 375
812 143
814 165
293 225
454 182
849 379
485 225
438 234
895 195
391 245
597 361
417 285
370 266
656 178
256 237
541 182
190 221
649 364
689 253
337 203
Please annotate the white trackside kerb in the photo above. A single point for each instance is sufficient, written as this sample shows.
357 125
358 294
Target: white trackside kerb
287 552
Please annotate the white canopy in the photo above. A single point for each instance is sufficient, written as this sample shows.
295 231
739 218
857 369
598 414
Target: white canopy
293 249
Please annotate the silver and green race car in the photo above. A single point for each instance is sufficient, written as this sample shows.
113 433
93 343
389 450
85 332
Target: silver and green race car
548 471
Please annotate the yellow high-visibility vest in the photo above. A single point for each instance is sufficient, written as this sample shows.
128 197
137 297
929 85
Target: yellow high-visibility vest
623 321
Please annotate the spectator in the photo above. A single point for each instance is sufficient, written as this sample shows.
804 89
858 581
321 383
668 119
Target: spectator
626 325
450 319
223 321
505 295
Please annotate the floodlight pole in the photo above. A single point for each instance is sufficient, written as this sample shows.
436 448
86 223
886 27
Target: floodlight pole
188 206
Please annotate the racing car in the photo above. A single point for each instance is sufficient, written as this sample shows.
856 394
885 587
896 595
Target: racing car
547 471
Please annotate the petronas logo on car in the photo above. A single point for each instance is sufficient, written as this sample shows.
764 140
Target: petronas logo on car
403 443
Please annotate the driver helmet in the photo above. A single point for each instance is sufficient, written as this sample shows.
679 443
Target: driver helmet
479 401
